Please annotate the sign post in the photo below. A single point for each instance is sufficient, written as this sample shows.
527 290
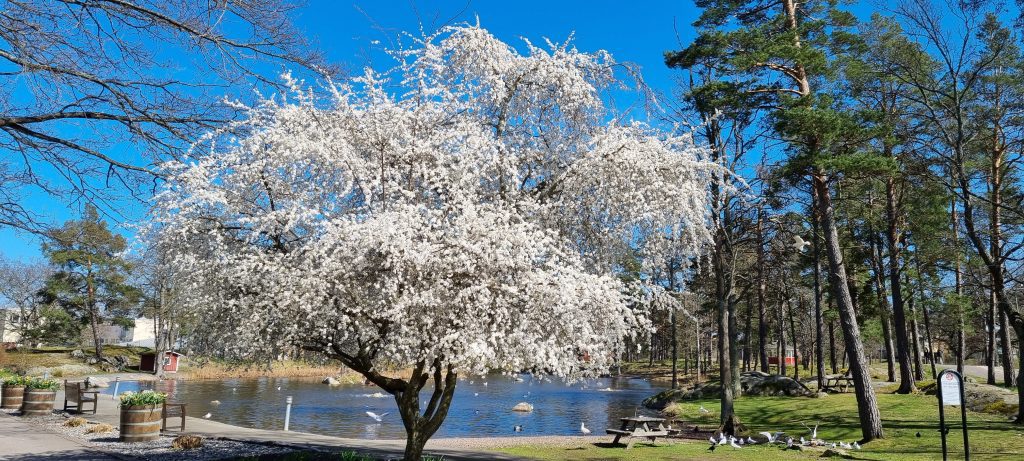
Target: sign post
951 393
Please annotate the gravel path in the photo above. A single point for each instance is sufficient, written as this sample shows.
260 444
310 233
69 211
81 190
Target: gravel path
159 449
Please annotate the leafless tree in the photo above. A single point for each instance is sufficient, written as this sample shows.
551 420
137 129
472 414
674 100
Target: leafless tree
93 93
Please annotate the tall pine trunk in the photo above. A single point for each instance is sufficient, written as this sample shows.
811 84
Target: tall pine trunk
867 404
893 237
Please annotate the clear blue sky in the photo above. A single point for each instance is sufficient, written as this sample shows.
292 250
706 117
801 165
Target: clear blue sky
638 32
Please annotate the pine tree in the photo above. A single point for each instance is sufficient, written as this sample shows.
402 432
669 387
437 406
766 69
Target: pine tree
91 283
782 50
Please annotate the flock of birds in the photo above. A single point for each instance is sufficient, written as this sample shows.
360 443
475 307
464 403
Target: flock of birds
776 438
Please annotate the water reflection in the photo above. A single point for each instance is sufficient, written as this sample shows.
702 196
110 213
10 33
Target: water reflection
480 409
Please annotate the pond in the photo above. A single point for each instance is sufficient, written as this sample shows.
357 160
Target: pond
482 407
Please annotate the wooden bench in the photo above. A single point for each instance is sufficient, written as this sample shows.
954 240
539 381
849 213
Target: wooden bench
174 410
76 397
634 435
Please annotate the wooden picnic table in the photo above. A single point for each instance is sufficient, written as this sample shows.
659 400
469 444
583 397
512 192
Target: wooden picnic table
838 383
639 427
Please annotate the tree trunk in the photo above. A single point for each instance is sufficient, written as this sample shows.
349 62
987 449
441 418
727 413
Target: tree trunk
762 315
961 342
927 327
819 320
832 346
1006 348
915 336
893 237
990 343
782 337
420 427
747 330
796 341
867 405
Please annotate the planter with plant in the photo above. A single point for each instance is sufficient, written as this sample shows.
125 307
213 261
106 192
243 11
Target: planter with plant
12 392
141 415
40 394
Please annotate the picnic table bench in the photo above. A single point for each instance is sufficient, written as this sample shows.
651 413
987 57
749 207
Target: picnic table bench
638 427
840 383
76 396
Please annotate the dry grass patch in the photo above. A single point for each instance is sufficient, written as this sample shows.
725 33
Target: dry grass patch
75 422
100 429
187 442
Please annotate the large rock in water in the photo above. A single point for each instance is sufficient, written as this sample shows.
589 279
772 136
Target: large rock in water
331 381
523 406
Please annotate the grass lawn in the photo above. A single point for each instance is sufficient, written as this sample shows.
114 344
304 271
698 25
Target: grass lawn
991 437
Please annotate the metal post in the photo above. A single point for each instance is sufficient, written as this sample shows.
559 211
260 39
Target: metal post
117 383
287 411
942 413
963 418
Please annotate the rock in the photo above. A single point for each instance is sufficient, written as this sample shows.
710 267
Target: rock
91 361
751 382
78 354
836 453
331 381
523 406
96 381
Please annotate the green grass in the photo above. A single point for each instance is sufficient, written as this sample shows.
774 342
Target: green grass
991 437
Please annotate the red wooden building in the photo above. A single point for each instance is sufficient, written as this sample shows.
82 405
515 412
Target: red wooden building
170 364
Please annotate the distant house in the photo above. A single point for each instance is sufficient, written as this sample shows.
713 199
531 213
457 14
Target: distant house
170 361
10 326
141 334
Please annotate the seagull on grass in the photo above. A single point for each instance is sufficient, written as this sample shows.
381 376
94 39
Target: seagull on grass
732 443
375 416
855 446
703 410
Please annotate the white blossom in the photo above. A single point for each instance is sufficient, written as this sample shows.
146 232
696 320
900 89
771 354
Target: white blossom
465 208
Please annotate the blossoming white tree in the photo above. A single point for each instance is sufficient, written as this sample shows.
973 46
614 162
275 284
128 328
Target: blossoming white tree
458 214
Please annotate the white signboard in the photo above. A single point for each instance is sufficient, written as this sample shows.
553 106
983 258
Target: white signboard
949 385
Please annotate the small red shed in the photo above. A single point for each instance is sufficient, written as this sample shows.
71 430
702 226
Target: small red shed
170 361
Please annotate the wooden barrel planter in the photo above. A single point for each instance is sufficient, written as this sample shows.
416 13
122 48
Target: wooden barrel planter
12 396
37 402
141 423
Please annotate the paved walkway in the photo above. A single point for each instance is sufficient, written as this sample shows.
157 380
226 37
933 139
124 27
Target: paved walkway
107 412
22 441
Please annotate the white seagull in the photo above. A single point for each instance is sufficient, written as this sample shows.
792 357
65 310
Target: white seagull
215 402
856 446
375 416
769 436
584 430
799 243
703 410
712 440
207 416
732 443
814 432
751 441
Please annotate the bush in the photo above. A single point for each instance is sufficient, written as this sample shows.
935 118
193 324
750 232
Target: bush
100 429
147 397
75 422
187 442
42 384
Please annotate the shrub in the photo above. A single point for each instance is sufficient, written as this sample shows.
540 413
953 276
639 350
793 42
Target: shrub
42 384
147 397
75 422
187 442
100 429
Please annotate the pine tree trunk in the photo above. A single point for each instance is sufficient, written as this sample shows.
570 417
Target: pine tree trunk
990 343
782 337
915 336
1007 350
893 237
867 405
796 342
819 334
832 346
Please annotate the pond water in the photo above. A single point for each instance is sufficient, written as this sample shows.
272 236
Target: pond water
482 407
